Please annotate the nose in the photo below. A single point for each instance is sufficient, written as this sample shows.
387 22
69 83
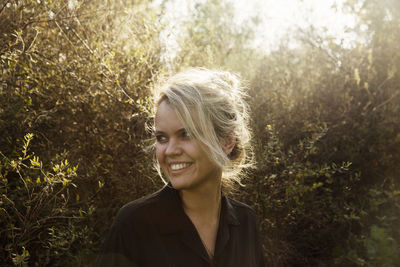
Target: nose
173 148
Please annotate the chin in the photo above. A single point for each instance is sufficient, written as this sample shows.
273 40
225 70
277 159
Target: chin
179 183
188 184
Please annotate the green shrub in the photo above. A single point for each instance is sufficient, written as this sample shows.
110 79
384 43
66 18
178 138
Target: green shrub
77 75
41 220
329 105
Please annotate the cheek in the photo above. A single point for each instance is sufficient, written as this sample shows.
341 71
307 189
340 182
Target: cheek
159 154
196 152
191 150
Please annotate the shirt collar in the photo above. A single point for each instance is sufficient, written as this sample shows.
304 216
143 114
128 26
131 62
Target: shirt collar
173 218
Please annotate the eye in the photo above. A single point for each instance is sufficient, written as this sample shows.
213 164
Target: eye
186 134
161 138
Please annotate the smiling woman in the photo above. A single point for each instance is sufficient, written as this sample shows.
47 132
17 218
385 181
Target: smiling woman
183 160
202 143
210 107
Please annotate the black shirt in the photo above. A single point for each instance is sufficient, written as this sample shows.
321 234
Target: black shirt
155 231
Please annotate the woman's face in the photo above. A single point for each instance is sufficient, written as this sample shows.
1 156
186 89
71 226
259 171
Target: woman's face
182 159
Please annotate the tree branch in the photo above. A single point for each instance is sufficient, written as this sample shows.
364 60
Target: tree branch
5 4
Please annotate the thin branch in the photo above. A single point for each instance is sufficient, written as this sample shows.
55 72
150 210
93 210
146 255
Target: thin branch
66 36
19 215
388 100
53 20
59 217
83 42
5 4
33 41
23 180
95 14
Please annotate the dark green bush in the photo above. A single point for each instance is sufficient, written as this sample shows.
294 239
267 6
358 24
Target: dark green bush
351 96
77 75
40 219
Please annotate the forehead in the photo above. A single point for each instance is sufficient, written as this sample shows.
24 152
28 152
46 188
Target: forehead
166 119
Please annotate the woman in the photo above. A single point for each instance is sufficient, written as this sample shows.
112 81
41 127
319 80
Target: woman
202 143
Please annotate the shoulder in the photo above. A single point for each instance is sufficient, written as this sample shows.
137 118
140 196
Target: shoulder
241 207
139 209
241 211
127 237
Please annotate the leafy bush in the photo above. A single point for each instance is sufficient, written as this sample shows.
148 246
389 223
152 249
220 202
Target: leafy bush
41 221
329 106
77 75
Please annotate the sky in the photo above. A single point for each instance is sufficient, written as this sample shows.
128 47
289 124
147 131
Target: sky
277 19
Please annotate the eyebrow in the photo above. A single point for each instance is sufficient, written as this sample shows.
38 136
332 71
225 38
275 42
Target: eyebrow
161 132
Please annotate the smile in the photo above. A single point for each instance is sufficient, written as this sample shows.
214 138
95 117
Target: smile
179 166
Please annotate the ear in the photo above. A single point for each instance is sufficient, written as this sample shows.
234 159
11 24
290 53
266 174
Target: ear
228 144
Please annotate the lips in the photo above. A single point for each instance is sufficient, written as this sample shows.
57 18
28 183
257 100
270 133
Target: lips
179 166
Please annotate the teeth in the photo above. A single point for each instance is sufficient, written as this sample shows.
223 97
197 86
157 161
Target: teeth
179 166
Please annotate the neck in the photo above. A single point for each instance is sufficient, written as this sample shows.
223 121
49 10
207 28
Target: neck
203 203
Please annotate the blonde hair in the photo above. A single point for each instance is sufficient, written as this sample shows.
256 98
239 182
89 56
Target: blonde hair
211 105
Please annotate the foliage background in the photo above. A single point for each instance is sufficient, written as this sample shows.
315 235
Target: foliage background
75 101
